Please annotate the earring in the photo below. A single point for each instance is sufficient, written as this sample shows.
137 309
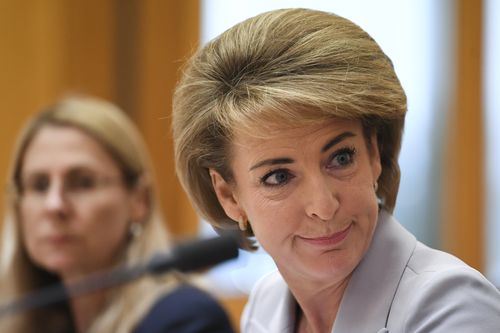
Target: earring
135 229
242 223
375 186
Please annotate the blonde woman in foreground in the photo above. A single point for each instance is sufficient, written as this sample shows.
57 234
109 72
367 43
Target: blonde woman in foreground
288 127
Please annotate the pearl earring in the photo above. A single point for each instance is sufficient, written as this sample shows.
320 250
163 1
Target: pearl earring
242 223
135 229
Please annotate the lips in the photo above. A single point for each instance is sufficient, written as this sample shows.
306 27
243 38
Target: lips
332 239
59 239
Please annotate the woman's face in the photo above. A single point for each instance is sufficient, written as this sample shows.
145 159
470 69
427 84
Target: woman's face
75 210
309 196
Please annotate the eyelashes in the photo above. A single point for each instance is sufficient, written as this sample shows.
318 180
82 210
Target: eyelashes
339 160
276 177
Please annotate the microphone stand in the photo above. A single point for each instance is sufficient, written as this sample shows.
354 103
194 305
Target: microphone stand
186 257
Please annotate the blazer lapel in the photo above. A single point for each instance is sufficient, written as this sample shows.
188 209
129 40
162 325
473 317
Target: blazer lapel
367 300
284 319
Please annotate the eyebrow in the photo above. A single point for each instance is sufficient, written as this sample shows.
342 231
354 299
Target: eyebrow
285 160
336 140
272 161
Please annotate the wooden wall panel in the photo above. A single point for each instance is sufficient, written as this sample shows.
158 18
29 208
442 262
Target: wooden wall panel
89 41
124 51
164 33
32 66
464 188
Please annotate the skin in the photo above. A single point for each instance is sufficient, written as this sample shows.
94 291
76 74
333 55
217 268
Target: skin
309 196
70 236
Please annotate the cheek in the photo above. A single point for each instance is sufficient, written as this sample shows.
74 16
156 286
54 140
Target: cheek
29 228
272 221
359 199
105 222
361 204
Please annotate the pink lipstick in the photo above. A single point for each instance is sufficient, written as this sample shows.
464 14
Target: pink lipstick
330 240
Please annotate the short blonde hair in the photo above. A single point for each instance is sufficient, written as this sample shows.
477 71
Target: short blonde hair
292 66
107 124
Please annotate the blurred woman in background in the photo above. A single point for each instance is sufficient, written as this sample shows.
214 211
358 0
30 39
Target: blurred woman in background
83 200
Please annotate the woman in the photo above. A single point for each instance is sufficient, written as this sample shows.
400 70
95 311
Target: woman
83 201
288 126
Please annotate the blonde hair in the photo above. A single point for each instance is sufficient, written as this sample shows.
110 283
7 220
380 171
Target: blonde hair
289 66
127 304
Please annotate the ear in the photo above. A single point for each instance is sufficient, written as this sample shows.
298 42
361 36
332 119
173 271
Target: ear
375 163
140 201
226 195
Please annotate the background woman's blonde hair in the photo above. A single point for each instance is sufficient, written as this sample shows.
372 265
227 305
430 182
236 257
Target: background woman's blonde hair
292 66
126 305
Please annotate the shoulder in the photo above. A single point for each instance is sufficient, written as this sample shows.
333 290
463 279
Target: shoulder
428 267
440 293
185 310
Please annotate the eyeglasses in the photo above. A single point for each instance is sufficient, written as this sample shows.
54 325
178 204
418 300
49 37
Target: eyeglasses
77 186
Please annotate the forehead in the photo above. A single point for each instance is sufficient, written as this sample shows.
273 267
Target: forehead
293 133
61 147
292 142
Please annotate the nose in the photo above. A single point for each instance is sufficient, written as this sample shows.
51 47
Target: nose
321 198
55 200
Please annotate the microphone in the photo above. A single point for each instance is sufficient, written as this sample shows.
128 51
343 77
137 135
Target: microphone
186 257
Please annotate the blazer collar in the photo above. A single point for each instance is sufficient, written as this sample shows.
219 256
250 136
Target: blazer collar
374 282
284 320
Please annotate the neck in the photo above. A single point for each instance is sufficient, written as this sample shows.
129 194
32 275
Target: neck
317 307
85 309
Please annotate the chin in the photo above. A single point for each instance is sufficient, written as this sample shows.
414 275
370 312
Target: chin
333 268
59 266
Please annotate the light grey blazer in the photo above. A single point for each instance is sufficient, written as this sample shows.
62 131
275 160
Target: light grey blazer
401 285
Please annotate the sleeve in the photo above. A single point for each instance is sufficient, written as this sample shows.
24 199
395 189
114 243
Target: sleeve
186 310
458 300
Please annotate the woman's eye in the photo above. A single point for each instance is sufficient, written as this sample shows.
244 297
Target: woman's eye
39 185
81 183
343 157
276 177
